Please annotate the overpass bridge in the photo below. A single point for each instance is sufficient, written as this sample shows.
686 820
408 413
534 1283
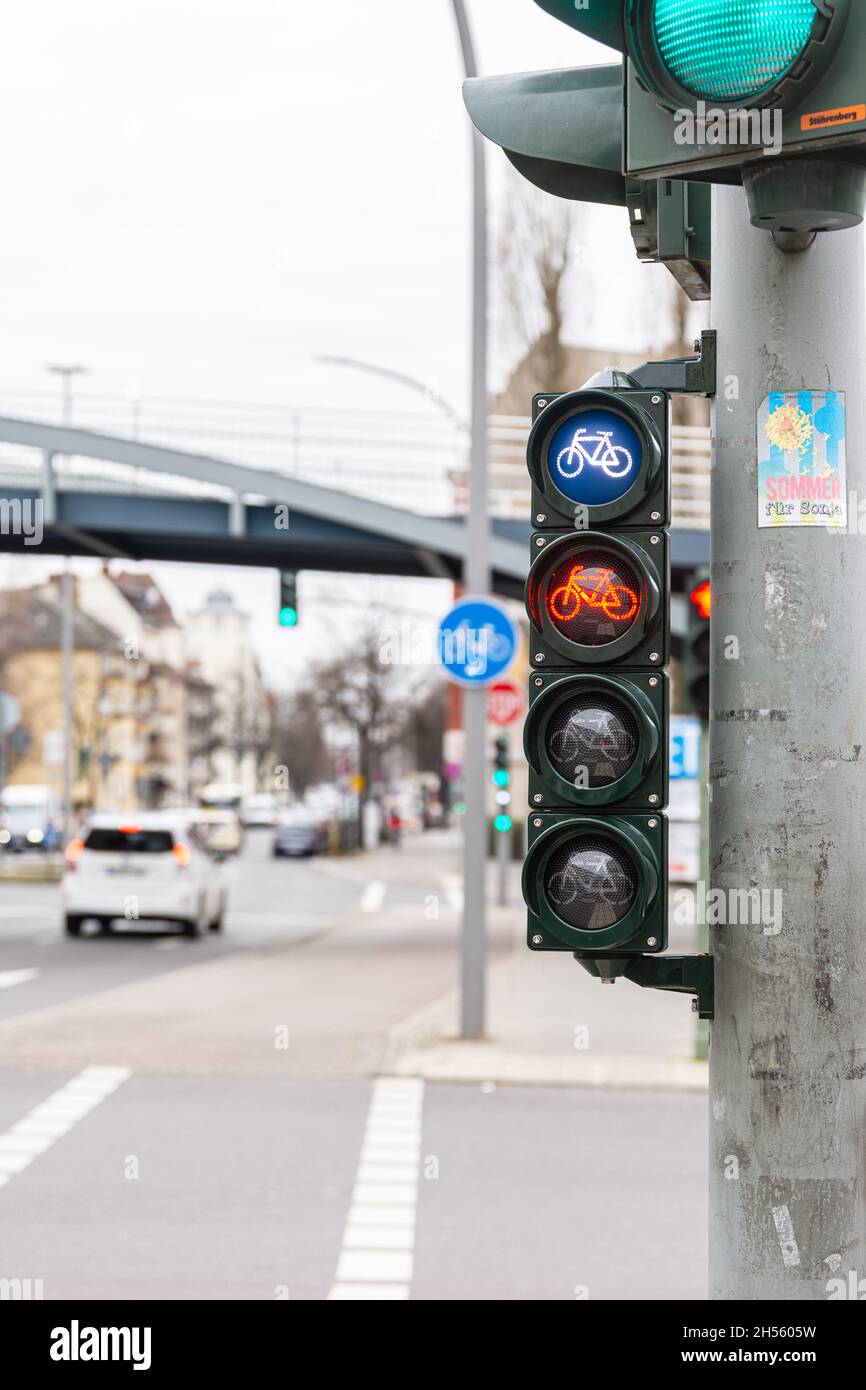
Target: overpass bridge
109 495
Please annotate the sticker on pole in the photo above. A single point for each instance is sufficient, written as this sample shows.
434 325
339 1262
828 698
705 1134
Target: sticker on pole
801 459
477 641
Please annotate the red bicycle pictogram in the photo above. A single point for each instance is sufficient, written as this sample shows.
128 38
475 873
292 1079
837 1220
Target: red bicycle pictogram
594 586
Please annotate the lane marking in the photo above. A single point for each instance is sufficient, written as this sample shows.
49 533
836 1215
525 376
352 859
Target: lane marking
453 884
377 1252
52 1118
8 978
373 895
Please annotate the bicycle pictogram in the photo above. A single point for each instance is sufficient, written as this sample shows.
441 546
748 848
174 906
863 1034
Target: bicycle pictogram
596 877
596 588
613 459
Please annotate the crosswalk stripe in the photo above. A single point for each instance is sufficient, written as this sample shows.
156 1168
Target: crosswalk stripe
8 978
377 1252
373 896
52 1118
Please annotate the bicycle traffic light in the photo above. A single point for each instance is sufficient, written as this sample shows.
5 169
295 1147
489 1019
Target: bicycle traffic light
708 90
288 614
596 735
696 662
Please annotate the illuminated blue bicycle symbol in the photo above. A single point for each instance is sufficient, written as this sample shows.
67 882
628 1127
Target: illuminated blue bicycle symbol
614 460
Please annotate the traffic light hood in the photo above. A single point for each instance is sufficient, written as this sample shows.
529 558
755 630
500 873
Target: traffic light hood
562 129
602 20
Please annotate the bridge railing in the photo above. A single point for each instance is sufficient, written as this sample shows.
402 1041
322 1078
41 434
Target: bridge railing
410 459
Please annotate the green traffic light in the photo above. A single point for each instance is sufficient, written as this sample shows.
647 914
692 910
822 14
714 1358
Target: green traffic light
501 777
288 617
729 50
502 823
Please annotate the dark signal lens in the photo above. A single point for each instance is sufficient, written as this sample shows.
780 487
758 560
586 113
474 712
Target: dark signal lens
590 883
593 598
592 740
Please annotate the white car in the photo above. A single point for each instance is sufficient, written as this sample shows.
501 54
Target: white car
147 867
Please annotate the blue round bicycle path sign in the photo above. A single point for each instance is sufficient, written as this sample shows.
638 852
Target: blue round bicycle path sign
477 641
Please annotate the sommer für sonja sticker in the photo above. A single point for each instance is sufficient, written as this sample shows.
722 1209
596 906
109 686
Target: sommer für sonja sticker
801 459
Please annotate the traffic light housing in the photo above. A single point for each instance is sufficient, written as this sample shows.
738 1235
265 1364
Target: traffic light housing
596 735
501 778
765 94
696 659
288 614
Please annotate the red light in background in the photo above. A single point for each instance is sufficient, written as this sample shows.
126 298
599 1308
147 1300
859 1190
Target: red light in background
700 597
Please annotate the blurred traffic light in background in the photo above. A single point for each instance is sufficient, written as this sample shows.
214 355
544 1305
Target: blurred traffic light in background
501 778
288 610
596 736
696 662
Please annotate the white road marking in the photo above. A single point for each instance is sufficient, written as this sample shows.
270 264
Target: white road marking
8 978
52 1118
373 895
10 911
376 1257
453 884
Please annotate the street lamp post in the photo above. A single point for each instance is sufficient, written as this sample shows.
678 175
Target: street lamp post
67 372
476 571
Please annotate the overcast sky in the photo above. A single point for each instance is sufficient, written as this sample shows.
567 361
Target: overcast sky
201 196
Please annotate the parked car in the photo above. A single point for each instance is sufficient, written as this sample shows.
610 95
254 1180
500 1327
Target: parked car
28 817
260 811
299 831
148 867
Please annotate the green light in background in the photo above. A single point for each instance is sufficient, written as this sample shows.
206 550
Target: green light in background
501 777
502 823
730 49
288 617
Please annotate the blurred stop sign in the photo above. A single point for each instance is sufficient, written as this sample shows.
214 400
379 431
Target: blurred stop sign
505 702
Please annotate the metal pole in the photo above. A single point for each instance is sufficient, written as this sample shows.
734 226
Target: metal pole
503 858
66 621
788 788
477 581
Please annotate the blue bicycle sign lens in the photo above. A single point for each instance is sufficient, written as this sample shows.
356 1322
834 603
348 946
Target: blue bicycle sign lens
594 457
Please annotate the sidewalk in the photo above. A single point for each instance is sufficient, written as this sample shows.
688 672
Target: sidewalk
549 1022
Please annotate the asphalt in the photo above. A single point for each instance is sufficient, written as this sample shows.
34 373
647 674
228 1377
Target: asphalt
186 1119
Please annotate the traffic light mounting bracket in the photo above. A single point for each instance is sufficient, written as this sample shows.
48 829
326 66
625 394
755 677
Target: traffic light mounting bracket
693 975
682 376
685 376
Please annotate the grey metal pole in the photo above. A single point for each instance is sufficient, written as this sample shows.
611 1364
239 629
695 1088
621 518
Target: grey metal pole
503 857
67 620
67 639
788 786
476 573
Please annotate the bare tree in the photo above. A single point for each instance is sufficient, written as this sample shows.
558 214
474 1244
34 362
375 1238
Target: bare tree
538 249
359 694
298 739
